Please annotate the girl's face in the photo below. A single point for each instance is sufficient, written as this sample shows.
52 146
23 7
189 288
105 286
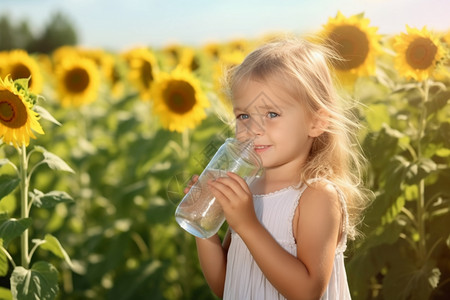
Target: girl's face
282 129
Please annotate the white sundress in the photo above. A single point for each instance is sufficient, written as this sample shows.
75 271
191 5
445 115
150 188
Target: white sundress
244 279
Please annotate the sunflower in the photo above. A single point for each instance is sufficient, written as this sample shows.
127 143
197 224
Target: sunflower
61 53
142 69
171 55
418 53
19 64
241 45
178 100
3 60
17 119
45 63
114 70
189 59
78 81
355 43
446 38
212 50
442 73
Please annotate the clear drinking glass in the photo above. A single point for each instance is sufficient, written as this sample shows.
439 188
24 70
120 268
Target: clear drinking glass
198 212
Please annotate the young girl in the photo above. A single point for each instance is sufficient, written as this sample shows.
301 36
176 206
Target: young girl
288 230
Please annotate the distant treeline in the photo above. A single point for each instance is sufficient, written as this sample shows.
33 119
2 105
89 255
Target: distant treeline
17 34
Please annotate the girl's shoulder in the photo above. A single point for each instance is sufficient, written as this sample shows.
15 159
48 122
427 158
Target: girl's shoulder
322 185
323 196
326 190
320 195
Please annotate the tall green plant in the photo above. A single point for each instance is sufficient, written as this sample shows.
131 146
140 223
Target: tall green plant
405 252
29 279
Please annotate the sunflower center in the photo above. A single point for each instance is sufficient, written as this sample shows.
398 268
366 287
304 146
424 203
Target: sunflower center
13 113
194 64
6 111
21 71
77 80
351 44
146 73
180 96
421 53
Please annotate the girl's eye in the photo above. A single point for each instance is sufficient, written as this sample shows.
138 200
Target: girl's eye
243 117
272 115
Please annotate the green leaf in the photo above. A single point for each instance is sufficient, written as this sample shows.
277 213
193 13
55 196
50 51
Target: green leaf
383 234
393 211
382 146
371 256
13 228
364 265
405 281
4 266
376 116
7 185
8 205
53 245
50 199
395 176
438 102
419 170
159 212
411 192
443 152
113 255
40 282
54 161
22 83
4 161
45 114
5 294
407 87
3 217
147 277
444 132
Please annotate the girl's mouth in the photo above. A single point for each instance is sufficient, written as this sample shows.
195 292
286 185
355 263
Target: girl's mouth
261 148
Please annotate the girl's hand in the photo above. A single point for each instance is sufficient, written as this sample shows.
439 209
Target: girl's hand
236 200
191 182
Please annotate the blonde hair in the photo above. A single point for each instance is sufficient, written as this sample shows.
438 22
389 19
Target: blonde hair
302 68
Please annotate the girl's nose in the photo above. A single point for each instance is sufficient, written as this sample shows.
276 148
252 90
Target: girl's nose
253 127
257 127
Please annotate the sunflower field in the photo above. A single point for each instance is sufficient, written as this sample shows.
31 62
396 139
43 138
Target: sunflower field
96 148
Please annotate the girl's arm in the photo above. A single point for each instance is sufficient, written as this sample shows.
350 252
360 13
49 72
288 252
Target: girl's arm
213 260
316 229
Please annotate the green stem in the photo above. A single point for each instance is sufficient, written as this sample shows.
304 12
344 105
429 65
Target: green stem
140 243
14 167
185 142
421 186
24 184
34 168
11 260
35 248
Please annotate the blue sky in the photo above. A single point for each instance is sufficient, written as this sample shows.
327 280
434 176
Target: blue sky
119 25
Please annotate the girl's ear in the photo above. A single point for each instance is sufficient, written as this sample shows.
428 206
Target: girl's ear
319 124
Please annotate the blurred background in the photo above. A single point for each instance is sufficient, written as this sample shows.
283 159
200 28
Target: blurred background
105 68
117 25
